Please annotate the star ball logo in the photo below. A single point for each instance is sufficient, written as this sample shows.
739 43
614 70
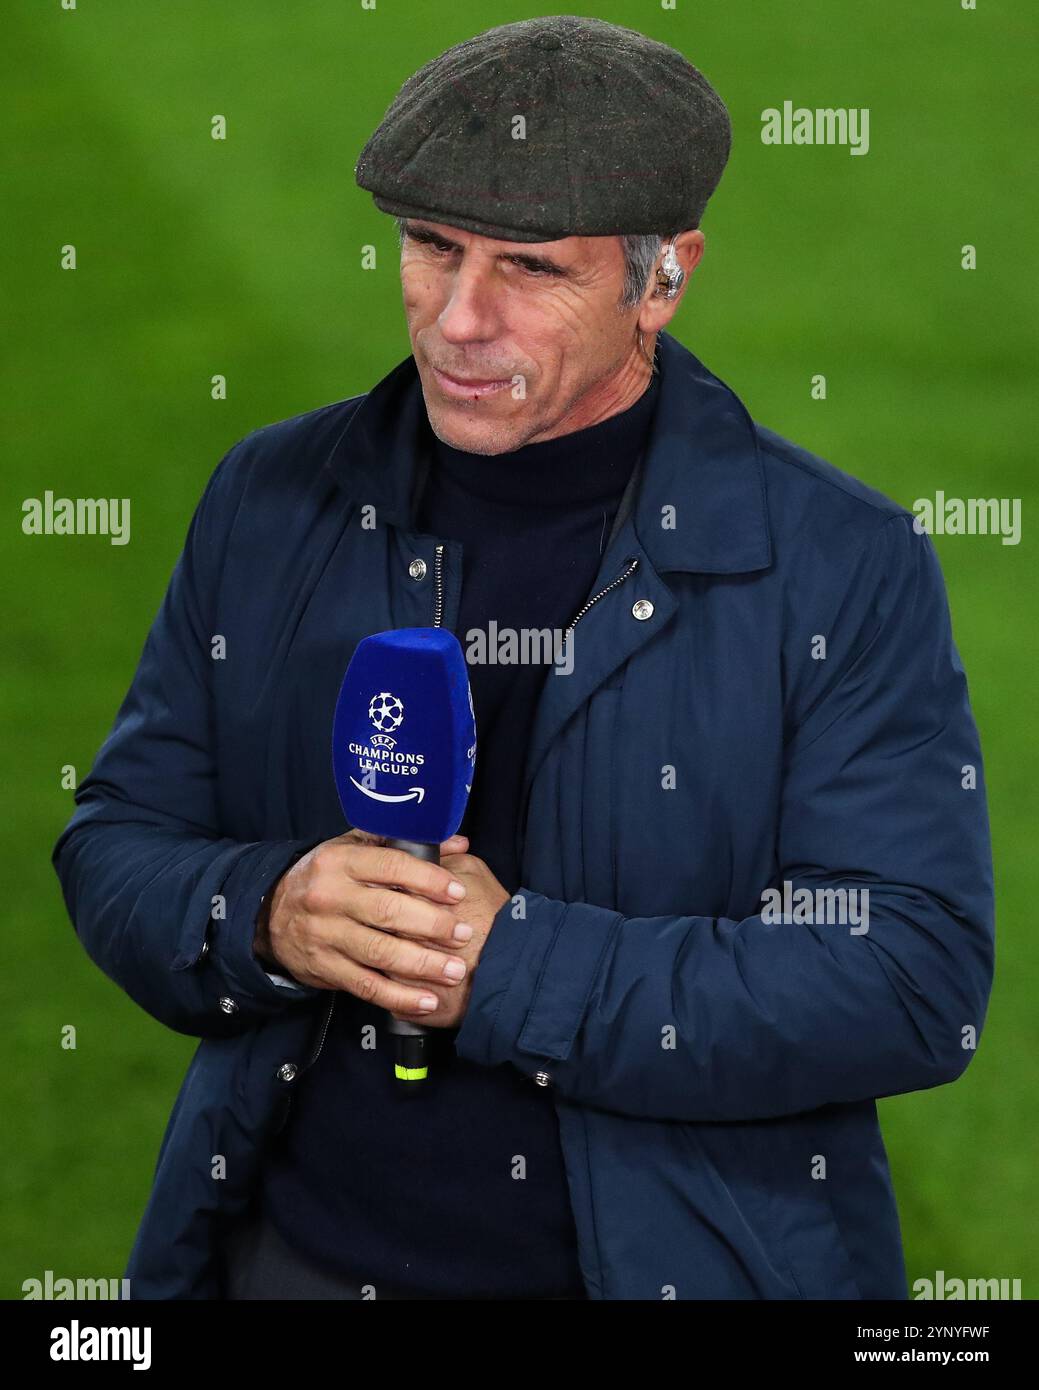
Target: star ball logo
386 711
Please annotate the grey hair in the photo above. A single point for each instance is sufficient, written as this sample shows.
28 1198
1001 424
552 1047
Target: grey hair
640 256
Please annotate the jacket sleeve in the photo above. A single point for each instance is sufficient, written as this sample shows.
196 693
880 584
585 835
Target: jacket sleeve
711 1018
162 901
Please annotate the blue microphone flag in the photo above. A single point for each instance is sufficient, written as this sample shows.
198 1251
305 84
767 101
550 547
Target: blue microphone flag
404 735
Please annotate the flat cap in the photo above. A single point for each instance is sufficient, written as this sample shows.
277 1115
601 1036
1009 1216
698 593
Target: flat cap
548 128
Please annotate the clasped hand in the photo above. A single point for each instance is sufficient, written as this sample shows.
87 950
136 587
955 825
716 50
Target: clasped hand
405 935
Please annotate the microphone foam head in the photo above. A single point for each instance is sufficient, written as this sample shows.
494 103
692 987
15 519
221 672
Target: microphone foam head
404 735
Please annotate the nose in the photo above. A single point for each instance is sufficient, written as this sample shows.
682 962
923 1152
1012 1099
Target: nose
470 314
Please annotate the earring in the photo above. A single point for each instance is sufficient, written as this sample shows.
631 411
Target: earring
651 361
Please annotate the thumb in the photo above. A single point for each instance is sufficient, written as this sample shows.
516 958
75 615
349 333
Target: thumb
456 844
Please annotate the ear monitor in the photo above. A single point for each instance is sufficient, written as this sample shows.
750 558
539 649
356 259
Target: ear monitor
670 274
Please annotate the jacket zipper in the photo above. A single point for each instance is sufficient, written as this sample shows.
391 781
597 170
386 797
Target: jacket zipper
438 616
438 586
324 1031
633 565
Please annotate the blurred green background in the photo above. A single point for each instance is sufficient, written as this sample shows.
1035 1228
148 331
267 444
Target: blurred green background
243 257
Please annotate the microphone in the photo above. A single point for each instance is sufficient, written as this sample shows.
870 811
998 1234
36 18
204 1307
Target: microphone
403 756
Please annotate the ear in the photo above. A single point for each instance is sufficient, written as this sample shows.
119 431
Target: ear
657 310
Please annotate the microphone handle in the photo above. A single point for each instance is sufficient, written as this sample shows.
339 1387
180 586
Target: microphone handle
411 1041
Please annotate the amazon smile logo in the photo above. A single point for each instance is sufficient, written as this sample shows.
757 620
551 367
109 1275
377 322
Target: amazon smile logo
413 794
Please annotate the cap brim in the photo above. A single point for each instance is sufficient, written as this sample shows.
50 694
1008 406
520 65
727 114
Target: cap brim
468 224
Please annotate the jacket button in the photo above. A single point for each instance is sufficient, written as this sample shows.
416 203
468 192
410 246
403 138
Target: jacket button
642 609
542 1078
228 1005
287 1071
417 569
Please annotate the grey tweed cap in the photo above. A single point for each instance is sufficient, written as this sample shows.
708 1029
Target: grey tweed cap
619 135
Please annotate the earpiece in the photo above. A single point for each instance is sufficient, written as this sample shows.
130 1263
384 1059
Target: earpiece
670 275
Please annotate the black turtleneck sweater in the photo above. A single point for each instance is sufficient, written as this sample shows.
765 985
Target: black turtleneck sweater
533 524
421 1195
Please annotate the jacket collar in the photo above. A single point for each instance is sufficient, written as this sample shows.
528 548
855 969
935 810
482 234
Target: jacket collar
701 460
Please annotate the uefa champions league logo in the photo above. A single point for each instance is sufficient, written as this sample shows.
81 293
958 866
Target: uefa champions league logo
386 711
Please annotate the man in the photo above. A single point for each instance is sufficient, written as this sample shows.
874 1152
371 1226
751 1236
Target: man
724 880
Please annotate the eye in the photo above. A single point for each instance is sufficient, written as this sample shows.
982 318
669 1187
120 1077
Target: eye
541 272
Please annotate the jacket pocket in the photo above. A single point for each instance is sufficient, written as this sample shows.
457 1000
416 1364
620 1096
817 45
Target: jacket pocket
802 1222
753 1180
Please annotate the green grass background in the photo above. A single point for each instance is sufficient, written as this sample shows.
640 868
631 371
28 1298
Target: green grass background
243 257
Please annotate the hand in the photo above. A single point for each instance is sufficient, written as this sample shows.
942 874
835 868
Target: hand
335 921
484 897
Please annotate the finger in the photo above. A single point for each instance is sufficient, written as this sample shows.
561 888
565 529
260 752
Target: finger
396 955
397 868
404 1017
384 993
429 1019
454 845
405 915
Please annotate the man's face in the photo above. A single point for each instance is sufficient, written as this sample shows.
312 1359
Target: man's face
517 342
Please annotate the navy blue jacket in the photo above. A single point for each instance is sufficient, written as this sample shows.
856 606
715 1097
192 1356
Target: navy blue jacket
771 696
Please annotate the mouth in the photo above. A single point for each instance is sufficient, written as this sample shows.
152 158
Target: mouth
468 389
